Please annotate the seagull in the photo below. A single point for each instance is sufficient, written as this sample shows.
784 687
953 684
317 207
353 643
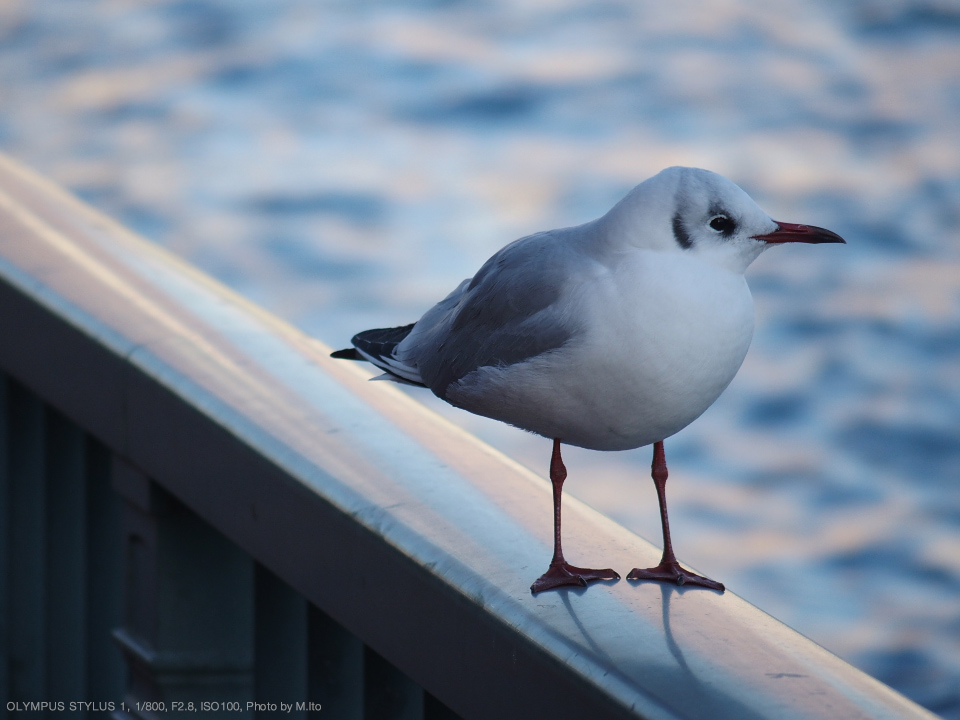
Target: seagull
611 335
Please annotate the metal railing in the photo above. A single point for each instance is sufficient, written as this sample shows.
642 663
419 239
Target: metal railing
199 506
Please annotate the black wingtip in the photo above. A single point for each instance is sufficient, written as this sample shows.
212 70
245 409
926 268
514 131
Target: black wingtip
347 354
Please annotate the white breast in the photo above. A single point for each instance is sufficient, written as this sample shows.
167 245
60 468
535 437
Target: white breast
665 335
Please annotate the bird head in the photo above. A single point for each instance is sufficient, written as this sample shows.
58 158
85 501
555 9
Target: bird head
694 211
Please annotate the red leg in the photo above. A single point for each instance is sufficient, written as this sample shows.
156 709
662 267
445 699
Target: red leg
560 572
669 569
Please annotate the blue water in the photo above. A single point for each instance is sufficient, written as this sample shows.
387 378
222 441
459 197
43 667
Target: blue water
345 164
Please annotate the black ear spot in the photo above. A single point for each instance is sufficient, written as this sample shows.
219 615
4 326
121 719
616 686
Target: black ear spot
723 224
680 233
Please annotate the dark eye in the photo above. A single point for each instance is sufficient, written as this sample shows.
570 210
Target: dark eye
721 223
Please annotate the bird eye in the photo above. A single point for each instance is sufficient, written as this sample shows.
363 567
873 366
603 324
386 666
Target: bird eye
721 223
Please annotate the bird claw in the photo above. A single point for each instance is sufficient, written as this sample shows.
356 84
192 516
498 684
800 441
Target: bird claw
562 574
671 572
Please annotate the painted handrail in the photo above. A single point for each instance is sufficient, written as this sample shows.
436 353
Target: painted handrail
415 536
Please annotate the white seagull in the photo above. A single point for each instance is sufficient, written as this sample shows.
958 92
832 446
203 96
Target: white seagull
610 335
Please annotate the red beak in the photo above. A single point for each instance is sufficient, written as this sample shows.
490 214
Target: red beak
788 232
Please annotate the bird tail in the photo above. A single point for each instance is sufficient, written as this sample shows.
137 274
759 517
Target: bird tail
347 354
379 347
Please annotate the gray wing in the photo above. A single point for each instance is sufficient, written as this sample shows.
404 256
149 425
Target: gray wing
510 311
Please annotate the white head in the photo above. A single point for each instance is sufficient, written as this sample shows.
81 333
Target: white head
689 210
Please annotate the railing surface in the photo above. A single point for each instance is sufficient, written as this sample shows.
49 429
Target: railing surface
279 528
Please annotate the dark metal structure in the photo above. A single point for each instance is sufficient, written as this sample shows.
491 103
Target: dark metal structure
199 506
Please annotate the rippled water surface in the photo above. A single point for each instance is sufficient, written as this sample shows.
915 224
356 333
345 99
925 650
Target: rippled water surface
346 164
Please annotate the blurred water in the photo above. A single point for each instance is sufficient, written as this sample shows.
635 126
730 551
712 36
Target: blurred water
345 164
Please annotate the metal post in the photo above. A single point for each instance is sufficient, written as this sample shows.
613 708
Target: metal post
388 693
66 561
5 616
188 626
433 709
106 672
281 648
335 680
27 512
